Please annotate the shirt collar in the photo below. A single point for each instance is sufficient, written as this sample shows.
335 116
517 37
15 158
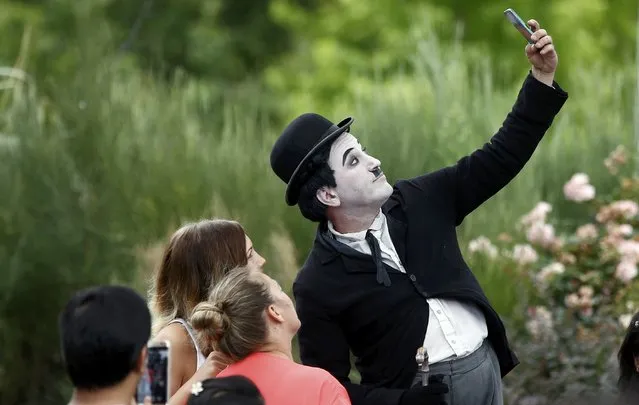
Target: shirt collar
378 224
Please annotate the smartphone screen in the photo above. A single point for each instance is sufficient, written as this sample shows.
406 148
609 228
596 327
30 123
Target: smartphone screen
519 24
155 378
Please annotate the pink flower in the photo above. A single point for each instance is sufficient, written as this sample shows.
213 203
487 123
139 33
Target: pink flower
581 301
629 250
578 188
615 159
524 254
586 291
541 234
540 323
619 231
572 300
588 231
483 245
553 268
537 214
567 258
549 271
626 270
626 209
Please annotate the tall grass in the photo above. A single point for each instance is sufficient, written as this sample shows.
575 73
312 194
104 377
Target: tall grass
96 172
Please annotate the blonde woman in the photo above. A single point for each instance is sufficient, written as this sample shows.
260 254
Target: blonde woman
250 320
197 256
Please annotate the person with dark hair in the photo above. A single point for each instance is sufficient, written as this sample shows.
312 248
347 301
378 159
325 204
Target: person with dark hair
628 357
385 276
104 333
233 390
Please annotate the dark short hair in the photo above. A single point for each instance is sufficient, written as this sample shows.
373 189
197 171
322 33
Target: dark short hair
626 356
103 330
232 390
317 174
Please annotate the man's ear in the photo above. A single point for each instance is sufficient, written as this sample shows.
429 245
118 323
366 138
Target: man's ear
328 196
141 362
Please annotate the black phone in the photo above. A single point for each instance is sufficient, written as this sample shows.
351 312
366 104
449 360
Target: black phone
519 24
155 378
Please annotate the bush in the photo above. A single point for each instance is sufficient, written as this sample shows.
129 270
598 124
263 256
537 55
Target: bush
585 282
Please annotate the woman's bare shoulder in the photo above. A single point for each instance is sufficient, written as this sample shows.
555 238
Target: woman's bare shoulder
178 338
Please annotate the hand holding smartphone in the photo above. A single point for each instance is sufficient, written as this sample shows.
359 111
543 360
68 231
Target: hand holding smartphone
519 24
155 379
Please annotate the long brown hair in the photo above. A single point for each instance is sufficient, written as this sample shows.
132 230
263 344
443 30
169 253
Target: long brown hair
233 320
197 256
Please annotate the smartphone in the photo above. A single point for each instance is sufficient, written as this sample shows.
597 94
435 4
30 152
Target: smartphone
518 23
155 378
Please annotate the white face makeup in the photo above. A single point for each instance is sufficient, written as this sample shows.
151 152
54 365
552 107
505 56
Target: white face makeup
360 181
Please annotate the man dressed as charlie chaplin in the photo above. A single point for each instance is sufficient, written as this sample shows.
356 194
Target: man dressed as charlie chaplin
385 275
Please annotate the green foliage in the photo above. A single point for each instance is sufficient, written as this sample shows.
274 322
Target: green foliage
344 41
90 176
313 49
222 39
214 40
56 237
108 144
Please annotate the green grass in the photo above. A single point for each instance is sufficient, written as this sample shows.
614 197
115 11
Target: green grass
108 162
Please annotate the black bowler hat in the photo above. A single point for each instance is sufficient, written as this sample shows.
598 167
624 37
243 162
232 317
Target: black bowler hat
299 141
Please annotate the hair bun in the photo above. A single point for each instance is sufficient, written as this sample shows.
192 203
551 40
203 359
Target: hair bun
211 319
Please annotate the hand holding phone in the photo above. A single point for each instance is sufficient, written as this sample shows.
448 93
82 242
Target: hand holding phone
540 50
519 24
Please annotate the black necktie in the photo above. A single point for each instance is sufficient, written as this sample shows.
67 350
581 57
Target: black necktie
382 275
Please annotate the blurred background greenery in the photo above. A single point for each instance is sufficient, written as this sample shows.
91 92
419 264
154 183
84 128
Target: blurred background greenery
119 120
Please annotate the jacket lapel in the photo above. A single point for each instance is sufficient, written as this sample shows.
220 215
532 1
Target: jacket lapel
331 249
354 261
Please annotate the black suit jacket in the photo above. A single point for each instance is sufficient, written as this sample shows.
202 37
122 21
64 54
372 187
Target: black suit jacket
341 305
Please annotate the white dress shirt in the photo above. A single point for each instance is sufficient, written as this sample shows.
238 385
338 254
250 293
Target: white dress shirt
455 329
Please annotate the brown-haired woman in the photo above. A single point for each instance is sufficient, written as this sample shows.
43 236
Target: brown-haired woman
197 256
249 319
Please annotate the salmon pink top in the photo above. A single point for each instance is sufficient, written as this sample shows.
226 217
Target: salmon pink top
284 382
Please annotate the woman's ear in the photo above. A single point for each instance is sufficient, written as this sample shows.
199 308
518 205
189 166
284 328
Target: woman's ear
275 314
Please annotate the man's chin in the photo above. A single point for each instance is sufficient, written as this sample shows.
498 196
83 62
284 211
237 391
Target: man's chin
388 189
385 194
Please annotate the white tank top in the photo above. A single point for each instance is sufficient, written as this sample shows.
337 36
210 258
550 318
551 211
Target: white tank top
198 352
